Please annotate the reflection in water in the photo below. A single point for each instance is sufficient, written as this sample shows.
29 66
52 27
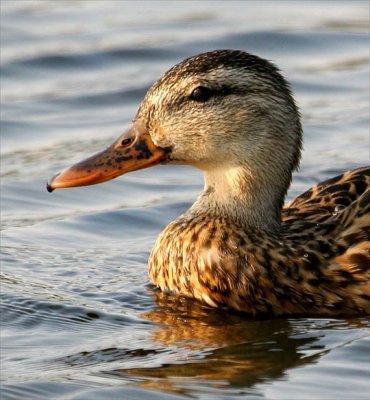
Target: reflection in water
231 351
191 348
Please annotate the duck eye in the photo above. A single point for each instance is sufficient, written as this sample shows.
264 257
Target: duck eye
201 94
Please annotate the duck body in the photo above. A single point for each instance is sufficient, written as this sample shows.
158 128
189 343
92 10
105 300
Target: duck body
232 115
317 263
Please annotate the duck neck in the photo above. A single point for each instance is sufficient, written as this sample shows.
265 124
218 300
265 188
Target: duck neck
246 197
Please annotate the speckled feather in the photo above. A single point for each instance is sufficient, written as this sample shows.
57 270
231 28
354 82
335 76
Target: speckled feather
310 257
238 246
318 264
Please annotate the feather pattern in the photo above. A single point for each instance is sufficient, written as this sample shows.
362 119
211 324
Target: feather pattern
232 115
238 246
318 263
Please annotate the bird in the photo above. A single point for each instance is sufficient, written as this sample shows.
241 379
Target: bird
232 115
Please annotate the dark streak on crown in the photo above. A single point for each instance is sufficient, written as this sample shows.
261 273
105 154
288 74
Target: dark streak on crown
228 59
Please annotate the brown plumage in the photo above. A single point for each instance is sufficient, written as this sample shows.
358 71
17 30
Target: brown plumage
317 263
232 115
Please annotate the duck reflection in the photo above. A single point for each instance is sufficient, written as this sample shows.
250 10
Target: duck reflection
227 350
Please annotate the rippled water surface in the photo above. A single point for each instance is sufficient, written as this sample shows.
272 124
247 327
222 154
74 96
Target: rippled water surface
79 318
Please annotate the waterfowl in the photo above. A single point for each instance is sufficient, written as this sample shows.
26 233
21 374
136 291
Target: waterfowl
232 115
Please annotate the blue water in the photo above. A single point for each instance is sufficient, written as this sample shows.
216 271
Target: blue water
79 319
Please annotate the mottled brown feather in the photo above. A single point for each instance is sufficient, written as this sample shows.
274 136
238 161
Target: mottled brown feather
237 246
318 264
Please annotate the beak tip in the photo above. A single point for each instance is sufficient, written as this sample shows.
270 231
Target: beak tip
49 184
49 188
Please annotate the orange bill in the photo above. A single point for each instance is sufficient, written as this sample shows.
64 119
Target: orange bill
132 151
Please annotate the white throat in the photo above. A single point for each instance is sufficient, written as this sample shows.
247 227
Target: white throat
241 195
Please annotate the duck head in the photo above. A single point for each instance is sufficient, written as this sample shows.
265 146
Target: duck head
226 112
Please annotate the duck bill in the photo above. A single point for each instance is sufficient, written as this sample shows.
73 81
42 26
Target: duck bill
132 151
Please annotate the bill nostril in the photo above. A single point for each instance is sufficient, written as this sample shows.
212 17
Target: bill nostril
127 141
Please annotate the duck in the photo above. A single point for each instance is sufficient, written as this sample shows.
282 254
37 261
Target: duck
232 115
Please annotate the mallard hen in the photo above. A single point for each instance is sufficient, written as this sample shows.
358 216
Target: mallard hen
232 115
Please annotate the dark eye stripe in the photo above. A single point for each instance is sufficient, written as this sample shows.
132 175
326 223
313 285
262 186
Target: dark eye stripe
202 94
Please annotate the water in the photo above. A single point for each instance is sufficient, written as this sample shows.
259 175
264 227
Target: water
79 318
